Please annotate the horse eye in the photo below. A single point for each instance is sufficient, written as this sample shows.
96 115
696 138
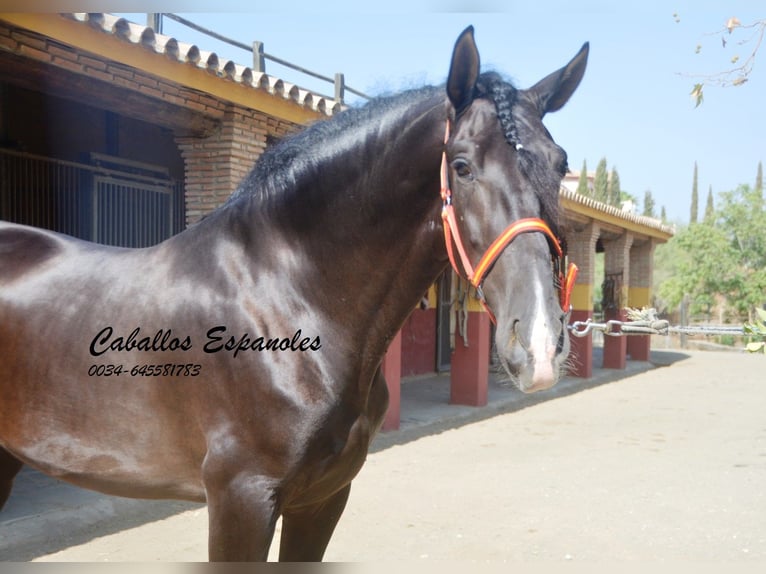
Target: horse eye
462 169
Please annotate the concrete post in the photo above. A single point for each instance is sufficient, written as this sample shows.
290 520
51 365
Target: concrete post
581 247
617 265
640 294
469 371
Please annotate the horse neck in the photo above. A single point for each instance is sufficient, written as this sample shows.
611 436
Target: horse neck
377 244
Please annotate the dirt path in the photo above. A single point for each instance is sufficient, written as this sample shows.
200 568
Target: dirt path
665 465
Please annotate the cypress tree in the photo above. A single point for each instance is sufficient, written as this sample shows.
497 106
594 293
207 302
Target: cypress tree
648 204
613 197
663 215
582 184
600 181
695 198
759 181
709 208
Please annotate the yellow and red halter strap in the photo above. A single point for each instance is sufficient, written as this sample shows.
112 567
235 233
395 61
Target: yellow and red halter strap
477 275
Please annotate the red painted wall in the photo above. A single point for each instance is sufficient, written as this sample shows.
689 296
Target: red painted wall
419 343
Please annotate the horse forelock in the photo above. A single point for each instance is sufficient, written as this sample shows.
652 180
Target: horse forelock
544 180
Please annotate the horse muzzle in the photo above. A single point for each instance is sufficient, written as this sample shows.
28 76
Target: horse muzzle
534 356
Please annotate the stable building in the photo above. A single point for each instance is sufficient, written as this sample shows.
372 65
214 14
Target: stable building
114 133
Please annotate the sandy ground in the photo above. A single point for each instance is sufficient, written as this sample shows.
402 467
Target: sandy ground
666 465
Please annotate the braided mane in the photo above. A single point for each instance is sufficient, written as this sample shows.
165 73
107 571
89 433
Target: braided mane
503 95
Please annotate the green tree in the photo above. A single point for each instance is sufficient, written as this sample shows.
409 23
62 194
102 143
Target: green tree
663 215
759 180
695 198
743 220
648 204
699 262
582 183
709 208
721 260
600 181
613 189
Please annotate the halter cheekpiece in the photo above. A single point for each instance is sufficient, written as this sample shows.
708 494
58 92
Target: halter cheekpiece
476 275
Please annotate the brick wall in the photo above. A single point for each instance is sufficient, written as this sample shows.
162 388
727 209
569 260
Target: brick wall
641 264
617 261
41 49
219 141
581 249
215 165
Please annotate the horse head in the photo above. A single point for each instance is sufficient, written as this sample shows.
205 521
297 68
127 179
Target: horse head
502 172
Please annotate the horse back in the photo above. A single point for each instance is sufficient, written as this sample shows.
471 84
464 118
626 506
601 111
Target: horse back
24 249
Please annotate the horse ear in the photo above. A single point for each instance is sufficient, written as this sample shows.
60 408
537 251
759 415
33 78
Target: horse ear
464 71
553 91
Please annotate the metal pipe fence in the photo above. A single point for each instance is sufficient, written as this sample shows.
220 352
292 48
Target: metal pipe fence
258 54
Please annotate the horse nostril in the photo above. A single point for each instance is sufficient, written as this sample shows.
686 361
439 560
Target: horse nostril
516 336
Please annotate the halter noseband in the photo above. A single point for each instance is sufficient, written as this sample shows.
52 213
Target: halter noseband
477 275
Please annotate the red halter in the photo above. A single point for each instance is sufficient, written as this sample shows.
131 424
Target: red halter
476 275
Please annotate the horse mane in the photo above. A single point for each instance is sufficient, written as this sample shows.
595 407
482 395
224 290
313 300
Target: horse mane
290 169
294 163
544 181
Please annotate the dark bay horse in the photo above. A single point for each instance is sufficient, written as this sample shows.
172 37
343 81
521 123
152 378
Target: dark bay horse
237 363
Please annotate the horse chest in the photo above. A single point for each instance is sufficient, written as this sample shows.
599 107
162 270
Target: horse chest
344 449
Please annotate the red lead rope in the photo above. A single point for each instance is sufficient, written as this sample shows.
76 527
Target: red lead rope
476 276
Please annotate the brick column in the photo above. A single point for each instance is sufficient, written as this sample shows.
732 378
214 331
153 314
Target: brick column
391 368
640 294
581 247
215 165
616 261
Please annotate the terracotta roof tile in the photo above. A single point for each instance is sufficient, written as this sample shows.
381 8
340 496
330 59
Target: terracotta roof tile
642 220
190 54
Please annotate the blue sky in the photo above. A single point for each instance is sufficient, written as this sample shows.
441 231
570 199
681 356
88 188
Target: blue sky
633 106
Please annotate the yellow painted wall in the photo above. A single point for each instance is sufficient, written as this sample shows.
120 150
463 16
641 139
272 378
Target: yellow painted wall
88 39
639 296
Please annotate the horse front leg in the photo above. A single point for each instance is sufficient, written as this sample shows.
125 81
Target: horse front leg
306 531
242 513
9 468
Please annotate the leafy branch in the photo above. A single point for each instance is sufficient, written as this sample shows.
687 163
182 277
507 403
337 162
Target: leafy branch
740 69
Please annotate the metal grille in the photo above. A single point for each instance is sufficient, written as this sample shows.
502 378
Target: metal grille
44 193
101 204
129 214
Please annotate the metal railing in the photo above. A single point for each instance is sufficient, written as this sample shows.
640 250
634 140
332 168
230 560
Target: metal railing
99 201
258 54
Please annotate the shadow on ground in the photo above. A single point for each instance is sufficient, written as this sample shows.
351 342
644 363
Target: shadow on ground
45 515
426 409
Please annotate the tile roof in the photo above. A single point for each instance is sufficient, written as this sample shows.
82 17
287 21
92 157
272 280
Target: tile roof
627 216
190 54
